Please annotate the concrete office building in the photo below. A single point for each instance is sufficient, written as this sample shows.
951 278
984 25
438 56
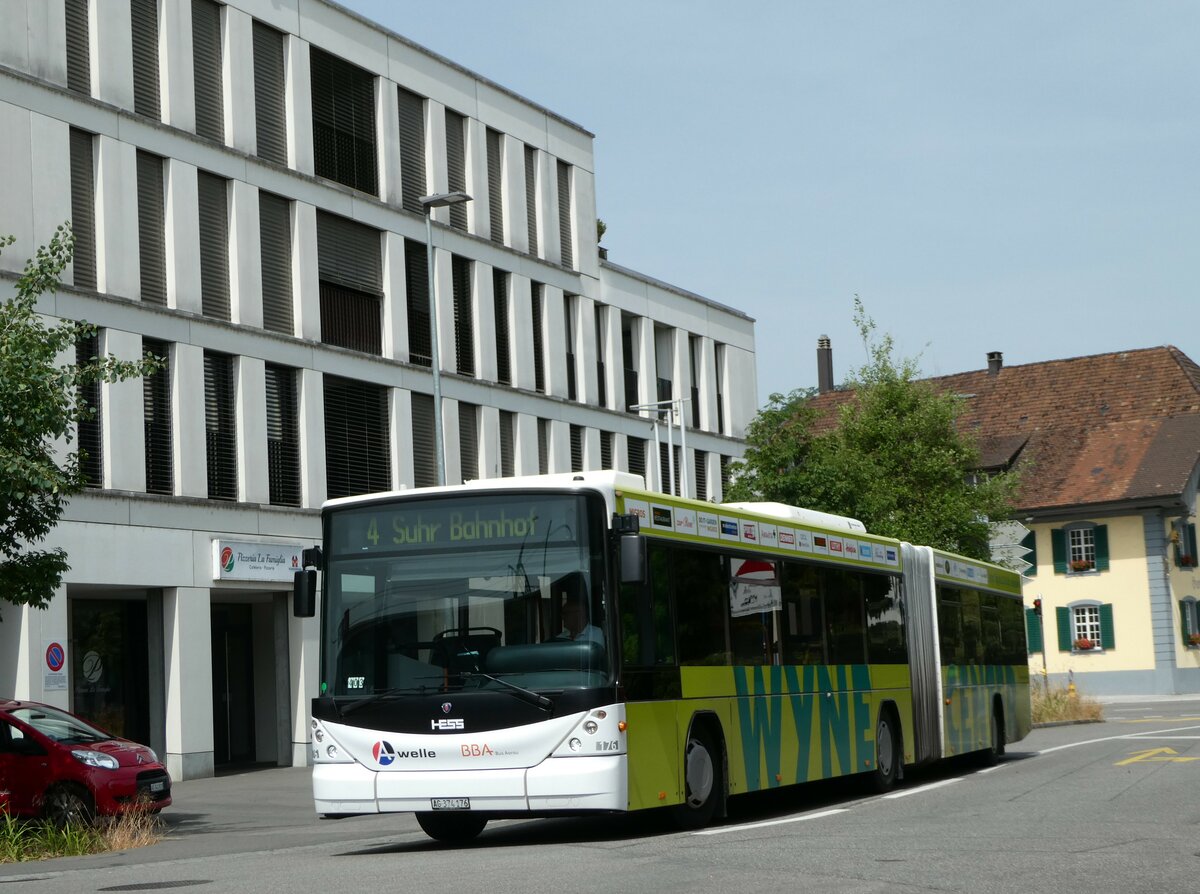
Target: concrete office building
244 180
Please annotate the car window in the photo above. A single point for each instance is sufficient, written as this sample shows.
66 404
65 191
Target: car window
58 725
9 734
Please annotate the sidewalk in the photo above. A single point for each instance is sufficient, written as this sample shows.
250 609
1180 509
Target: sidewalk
259 810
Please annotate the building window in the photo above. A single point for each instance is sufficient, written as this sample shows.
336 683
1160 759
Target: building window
416 276
726 475
270 89
1189 621
349 264
152 250
456 165
531 198
702 475
507 443
1183 539
357 456
637 456
464 317
669 468
412 151
283 436
627 358
275 241
343 100
1085 626
500 307
601 377
566 239
495 188
694 366
79 52
214 245
83 209
220 427
606 450
539 366
88 436
569 344
543 444
423 441
576 448
719 361
156 415
144 22
207 69
1080 548
468 440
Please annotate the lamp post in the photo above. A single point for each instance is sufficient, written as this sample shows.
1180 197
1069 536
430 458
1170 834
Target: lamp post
441 200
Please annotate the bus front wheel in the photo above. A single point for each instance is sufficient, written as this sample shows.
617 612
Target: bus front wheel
703 780
452 828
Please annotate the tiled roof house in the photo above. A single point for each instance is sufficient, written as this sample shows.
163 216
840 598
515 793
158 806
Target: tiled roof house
1109 446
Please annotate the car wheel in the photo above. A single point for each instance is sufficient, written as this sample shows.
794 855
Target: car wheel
67 805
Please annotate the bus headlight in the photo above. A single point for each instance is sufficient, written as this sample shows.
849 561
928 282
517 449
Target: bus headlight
590 727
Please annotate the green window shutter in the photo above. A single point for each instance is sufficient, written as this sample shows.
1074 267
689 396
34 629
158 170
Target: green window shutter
1191 540
1100 533
1063 616
1183 622
1058 546
1033 631
1108 638
1029 541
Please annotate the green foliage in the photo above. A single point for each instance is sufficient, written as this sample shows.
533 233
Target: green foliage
40 408
894 460
34 840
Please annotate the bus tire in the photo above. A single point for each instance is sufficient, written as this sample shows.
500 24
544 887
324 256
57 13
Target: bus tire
452 828
888 752
991 755
703 779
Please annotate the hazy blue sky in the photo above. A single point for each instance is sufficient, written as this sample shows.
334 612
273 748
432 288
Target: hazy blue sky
1016 176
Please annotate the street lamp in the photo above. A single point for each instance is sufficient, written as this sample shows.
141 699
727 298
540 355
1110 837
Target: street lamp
441 200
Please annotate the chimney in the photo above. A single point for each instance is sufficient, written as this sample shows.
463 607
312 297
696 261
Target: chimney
824 365
995 361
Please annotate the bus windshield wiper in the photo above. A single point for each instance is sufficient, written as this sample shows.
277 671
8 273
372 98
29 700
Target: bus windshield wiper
526 695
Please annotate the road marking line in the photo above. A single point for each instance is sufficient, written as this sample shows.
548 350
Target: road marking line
1178 729
1154 736
1158 719
988 770
922 788
780 822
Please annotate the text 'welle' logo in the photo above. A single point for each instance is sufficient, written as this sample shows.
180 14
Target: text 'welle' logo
227 559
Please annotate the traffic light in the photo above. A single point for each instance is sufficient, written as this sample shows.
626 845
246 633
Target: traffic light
1037 607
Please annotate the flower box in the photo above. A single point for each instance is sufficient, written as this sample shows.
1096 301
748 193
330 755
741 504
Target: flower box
1186 561
1082 565
1083 644
1194 639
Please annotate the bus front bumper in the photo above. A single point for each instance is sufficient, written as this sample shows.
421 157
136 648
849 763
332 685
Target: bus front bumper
557 785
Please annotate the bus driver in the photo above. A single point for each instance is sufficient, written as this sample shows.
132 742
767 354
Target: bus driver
575 616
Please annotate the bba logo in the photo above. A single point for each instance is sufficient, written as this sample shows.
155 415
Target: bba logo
383 752
227 560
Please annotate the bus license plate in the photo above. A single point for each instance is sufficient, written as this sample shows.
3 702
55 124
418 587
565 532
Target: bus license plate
450 803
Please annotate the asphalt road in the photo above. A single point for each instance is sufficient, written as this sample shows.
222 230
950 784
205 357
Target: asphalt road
1111 807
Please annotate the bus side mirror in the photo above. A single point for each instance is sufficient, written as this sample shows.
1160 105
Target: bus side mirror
304 593
633 558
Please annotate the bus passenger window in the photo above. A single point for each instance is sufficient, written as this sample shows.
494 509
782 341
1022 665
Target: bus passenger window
844 617
886 642
648 636
701 605
802 622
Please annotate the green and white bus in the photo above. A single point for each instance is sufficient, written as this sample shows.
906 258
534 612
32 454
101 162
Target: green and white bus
565 644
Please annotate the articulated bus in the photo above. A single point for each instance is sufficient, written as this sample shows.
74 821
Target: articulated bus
565 644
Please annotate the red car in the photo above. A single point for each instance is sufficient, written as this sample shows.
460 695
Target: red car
54 765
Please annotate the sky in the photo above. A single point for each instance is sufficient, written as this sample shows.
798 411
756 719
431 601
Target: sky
1021 177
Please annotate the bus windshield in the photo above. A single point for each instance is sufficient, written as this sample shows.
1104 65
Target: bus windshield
450 593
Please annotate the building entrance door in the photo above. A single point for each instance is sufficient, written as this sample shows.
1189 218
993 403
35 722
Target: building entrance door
110 665
233 684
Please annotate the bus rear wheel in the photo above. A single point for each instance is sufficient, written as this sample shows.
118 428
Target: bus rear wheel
703 780
887 753
452 828
990 756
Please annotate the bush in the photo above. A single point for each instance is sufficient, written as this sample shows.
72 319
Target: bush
1053 704
31 839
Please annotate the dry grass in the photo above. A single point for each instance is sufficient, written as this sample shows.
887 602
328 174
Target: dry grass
1053 704
138 828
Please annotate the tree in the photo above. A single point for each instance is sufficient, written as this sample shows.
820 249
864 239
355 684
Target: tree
40 407
886 451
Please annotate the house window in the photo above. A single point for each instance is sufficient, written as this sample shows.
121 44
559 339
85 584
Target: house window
627 357
283 436
357 453
424 439
152 250
143 16
601 385
569 339
1189 620
495 189
576 448
416 276
701 475
270 86
719 362
1183 536
500 308
464 317
214 245
543 445
275 241
468 440
1085 626
343 103
206 69
456 165
606 450
636 448
412 151
83 209
350 270
566 239
531 197
507 443
220 426
539 366
79 56
1080 548
89 434
156 414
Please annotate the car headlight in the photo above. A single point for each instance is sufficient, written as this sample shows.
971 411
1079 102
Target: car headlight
153 755
95 759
